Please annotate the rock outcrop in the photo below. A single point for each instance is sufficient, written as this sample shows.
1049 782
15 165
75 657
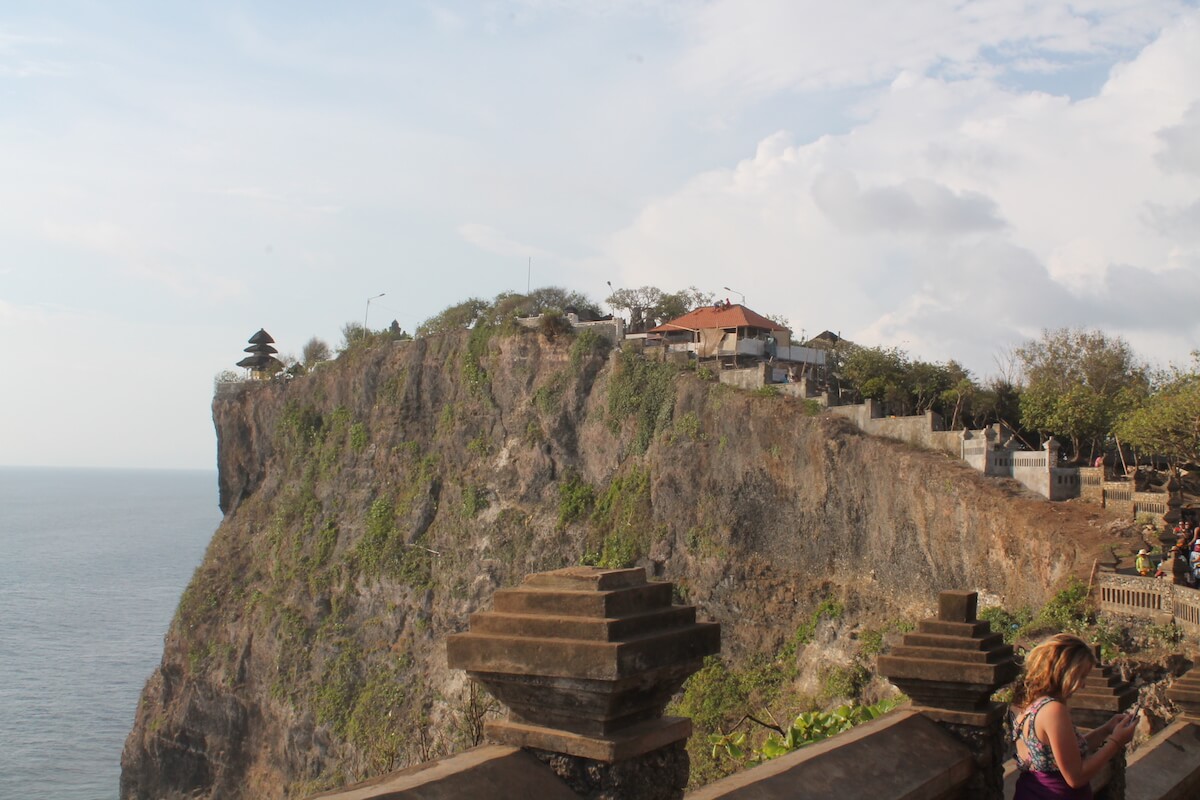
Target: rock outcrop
373 504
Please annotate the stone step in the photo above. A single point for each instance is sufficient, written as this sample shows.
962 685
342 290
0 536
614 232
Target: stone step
581 659
1181 695
1102 701
590 579
594 604
946 674
947 654
953 642
942 628
604 630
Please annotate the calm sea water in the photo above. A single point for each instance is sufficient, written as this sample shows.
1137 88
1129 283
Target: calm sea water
92 564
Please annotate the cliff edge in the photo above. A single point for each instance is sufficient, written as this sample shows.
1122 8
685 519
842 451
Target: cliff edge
373 504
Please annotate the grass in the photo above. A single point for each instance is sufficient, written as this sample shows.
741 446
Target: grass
644 391
576 499
622 517
587 343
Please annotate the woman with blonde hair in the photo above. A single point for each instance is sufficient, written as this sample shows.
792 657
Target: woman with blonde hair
1055 760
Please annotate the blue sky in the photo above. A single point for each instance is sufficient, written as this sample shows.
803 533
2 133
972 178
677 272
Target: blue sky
947 176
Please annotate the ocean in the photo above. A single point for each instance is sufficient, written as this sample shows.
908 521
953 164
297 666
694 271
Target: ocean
92 564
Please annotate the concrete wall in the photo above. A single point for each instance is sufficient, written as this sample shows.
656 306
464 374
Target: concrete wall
1169 770
748 378
493 771
924 430
611 329
900 755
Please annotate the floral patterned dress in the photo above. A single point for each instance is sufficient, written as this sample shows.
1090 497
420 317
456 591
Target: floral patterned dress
1040 778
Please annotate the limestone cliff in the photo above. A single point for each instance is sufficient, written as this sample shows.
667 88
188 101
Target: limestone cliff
371 505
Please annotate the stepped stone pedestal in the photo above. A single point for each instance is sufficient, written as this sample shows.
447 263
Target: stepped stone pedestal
950 667
1101 696
1185 693
586 659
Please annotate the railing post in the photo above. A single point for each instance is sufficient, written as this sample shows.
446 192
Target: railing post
1102 695
950 667
586 660
1185 692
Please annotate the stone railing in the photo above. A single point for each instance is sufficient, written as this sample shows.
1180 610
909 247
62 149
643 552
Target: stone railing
1120 496
585 660
1155 599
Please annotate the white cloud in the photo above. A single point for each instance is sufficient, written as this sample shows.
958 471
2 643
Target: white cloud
1181 144
132 255
773 45
960 216
18 61
914 206
490 240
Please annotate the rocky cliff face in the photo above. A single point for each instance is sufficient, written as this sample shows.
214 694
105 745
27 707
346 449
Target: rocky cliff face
371 506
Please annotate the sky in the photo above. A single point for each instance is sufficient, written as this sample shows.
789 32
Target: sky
949 176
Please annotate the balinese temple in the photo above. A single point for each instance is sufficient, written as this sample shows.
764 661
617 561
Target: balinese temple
261 362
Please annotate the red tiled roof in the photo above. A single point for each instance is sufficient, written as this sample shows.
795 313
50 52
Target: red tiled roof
732 316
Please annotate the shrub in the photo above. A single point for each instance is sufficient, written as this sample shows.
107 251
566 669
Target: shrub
689 426
474 501
587 343
358 436
576 499
643 390
553 323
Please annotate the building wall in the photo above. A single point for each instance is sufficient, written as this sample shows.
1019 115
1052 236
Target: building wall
747 378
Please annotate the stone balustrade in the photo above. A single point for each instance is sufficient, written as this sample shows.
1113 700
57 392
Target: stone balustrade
1154 599
585 660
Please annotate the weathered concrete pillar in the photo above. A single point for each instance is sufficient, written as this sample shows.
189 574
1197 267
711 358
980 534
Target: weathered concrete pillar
586 660
950 667
1102 695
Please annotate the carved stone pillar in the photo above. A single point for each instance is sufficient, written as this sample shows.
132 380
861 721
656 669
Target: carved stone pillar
950 667
1101 696
1185 693
586 660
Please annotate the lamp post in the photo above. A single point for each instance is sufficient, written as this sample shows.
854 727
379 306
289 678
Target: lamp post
735 291
368 311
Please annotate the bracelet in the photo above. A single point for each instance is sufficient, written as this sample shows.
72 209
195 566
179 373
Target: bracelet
1114 741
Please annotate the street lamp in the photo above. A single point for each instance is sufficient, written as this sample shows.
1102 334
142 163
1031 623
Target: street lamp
368 311
735 291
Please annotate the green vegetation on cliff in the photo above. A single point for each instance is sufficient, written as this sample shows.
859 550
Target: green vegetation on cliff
374 503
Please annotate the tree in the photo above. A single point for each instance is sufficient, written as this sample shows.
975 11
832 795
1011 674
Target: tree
1078 383
878 373
781 320
649 306
556 298
639 304
457 317
927 382
314 352
1167 423
679 303
352 333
